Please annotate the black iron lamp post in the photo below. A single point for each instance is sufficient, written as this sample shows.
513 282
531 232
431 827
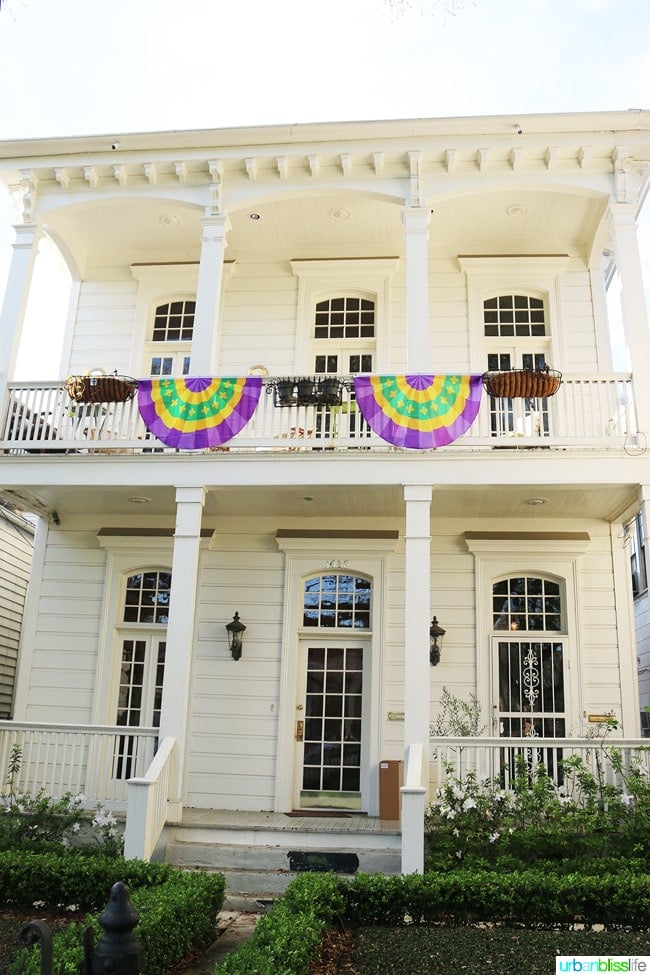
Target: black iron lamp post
235 631
436 634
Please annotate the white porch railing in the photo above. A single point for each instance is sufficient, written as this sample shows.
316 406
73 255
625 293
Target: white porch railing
93 761
587 411
147 804
496 758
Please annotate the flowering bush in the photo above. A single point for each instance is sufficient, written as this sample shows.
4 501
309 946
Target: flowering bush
478 822
27 820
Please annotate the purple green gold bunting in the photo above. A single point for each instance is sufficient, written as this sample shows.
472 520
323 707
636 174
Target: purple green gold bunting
197 411
418 411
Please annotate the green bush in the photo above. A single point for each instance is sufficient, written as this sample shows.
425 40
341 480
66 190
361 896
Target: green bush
287 938
177 910
479 823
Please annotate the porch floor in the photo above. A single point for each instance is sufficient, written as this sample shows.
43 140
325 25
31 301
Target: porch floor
241 820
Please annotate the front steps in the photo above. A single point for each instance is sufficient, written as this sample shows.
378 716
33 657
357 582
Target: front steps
252 849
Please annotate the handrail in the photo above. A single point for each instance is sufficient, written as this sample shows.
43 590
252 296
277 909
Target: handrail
146 811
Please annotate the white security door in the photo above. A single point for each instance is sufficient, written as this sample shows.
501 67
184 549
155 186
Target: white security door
529 662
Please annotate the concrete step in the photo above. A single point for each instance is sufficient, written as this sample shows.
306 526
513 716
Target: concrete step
265 871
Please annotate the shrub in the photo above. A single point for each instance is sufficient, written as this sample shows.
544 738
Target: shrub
177 910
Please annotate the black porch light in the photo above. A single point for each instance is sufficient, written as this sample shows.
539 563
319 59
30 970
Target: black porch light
235 630
436 634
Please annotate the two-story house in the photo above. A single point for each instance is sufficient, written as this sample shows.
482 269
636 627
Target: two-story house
273 457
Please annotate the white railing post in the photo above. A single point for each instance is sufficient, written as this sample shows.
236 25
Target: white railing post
413 800
147 799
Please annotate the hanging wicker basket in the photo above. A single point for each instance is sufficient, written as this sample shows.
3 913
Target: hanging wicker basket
526 383
100 389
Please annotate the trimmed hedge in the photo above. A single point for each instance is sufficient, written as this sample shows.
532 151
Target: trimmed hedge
288 937
177 910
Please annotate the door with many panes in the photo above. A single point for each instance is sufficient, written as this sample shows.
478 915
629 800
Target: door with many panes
331 724
143 634
343 344
516 337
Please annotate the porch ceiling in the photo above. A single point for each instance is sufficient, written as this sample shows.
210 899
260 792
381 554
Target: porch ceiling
517 220
309 501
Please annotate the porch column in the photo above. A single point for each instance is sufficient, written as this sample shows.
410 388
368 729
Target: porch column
416 235
174 713
12 316
208 296
417 610
633 303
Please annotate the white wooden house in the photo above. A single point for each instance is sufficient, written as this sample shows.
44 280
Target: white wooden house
16 545
405 259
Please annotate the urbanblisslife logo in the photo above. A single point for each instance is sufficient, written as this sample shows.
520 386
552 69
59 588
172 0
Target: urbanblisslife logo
595 963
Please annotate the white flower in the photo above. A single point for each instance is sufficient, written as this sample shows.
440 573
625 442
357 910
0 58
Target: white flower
459 854
469 804
451 814
626 800
455 832
494 837
75 827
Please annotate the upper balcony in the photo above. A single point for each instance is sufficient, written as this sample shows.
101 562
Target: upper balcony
595 411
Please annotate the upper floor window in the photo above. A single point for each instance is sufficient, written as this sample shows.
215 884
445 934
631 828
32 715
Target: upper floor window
514 316
337 600
171 338
345 317
174 322
636 536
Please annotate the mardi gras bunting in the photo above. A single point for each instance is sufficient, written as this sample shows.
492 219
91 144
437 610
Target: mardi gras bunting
418 411
197 411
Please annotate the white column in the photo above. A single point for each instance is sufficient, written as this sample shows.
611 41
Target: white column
417 609
19 280
416 236
174 714
633 303
208 296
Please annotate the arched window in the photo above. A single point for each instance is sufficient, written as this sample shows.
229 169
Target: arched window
526 603
337 600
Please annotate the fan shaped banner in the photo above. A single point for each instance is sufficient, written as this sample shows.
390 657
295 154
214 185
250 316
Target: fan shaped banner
418 411
197 411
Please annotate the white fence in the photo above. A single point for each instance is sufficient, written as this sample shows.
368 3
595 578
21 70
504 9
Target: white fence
587 411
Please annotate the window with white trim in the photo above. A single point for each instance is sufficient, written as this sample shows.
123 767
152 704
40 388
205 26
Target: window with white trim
171 338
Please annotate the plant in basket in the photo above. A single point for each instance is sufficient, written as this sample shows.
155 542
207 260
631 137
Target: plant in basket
97 387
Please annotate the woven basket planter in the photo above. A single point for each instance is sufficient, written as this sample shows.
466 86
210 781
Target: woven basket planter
526 383
100 389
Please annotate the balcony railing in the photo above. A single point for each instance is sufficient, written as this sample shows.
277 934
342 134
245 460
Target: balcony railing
588 411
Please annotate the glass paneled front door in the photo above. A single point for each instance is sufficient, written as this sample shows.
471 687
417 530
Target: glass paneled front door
329 727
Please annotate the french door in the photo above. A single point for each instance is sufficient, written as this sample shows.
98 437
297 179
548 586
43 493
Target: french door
330 729
139 696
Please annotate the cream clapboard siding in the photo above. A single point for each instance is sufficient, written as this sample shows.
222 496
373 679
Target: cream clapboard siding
259 319
232 759
578 336
104 329
64 658
16 548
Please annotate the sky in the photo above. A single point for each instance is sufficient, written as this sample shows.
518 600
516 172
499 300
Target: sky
84 67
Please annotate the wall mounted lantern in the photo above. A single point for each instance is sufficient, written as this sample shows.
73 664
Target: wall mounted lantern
235 631
436 634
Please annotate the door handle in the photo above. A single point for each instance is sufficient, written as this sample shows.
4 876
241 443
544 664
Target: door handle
300 730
